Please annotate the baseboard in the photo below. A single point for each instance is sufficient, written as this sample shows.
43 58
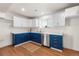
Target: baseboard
5 45
36 43
22 43
56 49
71 49
46 46
27 42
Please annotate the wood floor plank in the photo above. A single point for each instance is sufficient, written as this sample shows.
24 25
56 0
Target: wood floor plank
42 51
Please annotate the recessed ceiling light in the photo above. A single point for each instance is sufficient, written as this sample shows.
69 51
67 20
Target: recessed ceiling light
23 9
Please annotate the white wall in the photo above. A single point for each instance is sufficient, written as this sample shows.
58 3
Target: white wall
6 28
71 34
5 34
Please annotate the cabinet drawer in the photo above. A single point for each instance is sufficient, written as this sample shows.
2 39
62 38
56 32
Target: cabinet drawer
56 41
57 46
56 38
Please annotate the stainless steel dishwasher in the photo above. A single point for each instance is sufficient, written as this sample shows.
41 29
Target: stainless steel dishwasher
46 40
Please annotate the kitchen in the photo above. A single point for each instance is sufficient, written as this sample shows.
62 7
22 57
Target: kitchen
41 24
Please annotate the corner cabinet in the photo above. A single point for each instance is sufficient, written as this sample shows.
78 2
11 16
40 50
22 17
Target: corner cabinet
20 38
36 37
56 41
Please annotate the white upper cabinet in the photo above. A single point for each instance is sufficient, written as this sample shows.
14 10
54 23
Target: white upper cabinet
57 19
51 21
21 22
41 23
72 11
60 18
33 23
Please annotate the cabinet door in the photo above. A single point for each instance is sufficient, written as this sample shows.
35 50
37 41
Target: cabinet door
61 20
36 37
22 22
51 22
20 38
42 23
56 41
17 39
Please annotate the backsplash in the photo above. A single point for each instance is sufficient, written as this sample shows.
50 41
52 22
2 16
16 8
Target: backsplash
59 30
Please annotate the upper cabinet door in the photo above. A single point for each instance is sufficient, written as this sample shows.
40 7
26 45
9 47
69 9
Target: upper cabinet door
33 23
60 17
41 22
51 21
57 19
22 22
19 22
73 11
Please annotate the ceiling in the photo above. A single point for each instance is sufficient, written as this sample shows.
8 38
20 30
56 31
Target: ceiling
34 9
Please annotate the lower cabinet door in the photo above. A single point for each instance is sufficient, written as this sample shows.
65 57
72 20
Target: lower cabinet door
20 38
36 37
17 39
57 46
56 42
27 37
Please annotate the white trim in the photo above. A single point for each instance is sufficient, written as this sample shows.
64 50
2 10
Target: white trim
22 43
36 43
27 42
5 45
57 49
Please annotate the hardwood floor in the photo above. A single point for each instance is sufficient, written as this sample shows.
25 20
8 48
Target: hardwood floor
31 49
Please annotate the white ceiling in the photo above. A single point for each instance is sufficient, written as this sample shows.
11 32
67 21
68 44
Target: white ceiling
4 6
33 9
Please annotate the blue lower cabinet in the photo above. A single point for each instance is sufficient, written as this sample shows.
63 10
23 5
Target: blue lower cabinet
56 41
24 37
27 37
20 38
36 37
